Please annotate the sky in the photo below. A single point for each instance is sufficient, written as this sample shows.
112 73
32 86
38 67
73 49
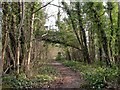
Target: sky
53 10
52 13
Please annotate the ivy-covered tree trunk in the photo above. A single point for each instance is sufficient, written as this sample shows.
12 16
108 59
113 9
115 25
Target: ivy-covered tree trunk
91 44
20 22
83 35
68 56
110 8
118 45
22 36
102 36
82 39
4 31
12 37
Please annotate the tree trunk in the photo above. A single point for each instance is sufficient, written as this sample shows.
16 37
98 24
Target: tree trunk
31 38
9 59
91 45
100 53
118 45
22 38
110 8
12 38
4 31
20 21
68 54
83 35
103 38
77 35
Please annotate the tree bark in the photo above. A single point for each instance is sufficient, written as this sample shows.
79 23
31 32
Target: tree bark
18 46
110 8
118 45
4 31
31 37
83 35
103 38
91 45
76 33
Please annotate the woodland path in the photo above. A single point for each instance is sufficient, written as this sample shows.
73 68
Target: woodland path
68 78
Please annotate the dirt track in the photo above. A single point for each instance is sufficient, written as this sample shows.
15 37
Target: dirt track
67 79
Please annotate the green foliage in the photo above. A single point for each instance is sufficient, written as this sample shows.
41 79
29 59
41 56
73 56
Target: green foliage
59 56
75 65
71 64
40 76
99 77
43 78
10 81
96 77
48 70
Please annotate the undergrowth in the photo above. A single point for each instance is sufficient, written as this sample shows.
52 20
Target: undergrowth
49 70
42 75
96 76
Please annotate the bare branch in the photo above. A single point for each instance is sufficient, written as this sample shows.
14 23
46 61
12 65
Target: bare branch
42 7
7 69
57 6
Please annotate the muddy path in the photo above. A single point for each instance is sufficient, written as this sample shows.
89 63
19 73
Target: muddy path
67 79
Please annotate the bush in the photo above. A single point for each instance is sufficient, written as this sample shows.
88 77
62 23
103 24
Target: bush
99 77
59 56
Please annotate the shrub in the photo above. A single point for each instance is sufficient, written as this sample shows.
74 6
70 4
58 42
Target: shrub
60 56
99 77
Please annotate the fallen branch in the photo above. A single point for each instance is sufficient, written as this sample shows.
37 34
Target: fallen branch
7 69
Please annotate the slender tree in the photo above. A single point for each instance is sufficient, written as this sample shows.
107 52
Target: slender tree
4 31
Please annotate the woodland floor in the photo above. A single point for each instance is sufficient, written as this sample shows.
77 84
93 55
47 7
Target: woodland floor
67 79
